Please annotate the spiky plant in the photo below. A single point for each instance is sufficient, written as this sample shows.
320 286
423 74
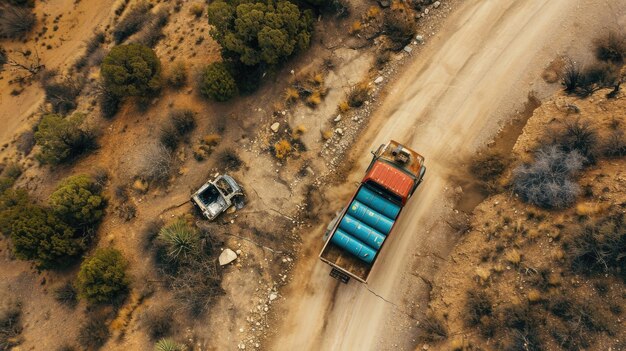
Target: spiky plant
181 239
169 345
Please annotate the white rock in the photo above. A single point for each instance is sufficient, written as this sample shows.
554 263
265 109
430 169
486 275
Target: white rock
273 296
419 38
378 80
227 256
436 4
337 119
426 11
238 252
339 131
408 49
275 127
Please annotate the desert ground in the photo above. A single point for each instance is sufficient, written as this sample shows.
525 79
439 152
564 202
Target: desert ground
471 78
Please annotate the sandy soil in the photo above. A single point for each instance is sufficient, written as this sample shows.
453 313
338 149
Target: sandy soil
466 82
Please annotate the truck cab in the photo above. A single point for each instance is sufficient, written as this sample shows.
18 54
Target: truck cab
355 238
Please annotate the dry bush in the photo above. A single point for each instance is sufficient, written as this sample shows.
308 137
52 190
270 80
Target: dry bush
109 104
93 46
611 47
94 333
3 58
169 137
157 165
66 294
158 322
25 142
358 95
598 248
61 92
434 329
127 211
15 21
585 81
184 121
150 232
579 136
10 323
229 160
177 77
132 22
488 167
196 10
282 149
399 26
152 32
477 305
547 182
615 145
196 285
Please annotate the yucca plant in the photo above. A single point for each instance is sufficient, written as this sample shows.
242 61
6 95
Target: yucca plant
181 239
169 345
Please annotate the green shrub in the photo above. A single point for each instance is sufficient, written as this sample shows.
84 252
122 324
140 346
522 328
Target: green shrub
77 199
12 203
62 139
256 33
169 345
102 277
218 83
180 238
131 70
38 235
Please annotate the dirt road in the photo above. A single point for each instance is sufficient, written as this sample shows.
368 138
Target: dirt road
466 82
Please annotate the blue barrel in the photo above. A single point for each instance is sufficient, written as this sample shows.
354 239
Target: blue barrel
364 233
378 203
353 246
370 217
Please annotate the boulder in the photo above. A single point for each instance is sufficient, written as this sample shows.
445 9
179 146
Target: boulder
227 256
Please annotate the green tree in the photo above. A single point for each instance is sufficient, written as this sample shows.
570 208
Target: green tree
63 138
12 203
78 200
218 83
102 277
37 234
260 33
131 70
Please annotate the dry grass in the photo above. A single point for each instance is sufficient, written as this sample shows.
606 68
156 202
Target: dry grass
343 106
314 99
356 27
358 94
291 95
282 149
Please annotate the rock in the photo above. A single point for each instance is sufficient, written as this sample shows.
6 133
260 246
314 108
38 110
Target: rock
339 131
238 252
378 80
275 127
273 296
337 119
408 49
419 39
436 4
426 11
227 256
458 190
384 3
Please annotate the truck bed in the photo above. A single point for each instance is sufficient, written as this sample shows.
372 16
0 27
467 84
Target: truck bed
360 231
